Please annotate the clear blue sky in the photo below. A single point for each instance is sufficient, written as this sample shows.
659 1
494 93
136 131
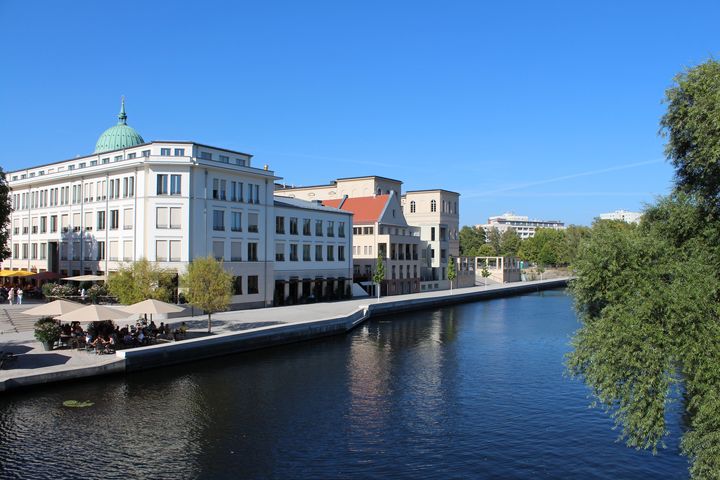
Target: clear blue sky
548 109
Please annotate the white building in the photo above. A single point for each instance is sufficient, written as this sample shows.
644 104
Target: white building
521 224
430 217
168 202
623 215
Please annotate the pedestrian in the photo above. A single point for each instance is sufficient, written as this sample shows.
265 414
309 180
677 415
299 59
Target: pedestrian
82 294
11 295
19 295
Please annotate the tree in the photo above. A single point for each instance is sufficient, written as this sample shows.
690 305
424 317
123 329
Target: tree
451 272
485 274
379 274
693 132
5 211
509 243
140 281
547 246
471 240
494 239
209 286
486 251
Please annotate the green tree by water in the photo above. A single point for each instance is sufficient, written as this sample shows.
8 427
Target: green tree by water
379 274
141 280
5 211
509 243
471 240
209 286
647 296
451 272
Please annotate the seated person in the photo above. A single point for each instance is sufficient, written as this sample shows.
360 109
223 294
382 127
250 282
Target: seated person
152 328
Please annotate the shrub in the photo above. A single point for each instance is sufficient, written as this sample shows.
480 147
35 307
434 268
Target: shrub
47 330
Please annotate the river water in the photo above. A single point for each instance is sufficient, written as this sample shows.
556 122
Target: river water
472 391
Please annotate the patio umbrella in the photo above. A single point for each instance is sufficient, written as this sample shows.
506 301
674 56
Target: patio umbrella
152 307
86 278
53 309
16 273
94 313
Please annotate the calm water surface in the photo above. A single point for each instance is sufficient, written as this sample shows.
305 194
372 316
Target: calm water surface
474 391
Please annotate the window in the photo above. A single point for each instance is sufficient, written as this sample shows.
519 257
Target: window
174 250
306 226
432 234
43 224
306 253
293 252
100 220
130 155
161 217
235 251
76 251
293 226
162 184
368 230
76 222
218 220
330 228
53 223
318 253
175 217
34 251
128 219
127 250
129 187
216 189
106 160
253 284
174 184
318 228
412 206
218 249
179 152
236 225
280 225
165 152
240 162
433 206
253 223
233 191
114 219
330 253
88 221
223 188
224 159
252 252
146 153
161 250
113 254
237 285
341 229
206 155
100 251
341 253
279 252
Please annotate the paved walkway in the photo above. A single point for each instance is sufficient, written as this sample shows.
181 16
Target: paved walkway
16 329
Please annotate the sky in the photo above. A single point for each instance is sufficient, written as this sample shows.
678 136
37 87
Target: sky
547 109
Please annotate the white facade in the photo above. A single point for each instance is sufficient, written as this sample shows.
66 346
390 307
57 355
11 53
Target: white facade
521 224
623 215
168 202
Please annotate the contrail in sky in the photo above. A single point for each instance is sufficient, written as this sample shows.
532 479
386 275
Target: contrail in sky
562 178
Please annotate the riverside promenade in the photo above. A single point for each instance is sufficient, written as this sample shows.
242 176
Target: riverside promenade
233 332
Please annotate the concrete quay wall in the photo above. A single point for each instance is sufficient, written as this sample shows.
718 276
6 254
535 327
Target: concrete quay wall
273 335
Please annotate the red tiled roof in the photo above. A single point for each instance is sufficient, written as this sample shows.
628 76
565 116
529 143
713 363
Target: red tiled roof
364 209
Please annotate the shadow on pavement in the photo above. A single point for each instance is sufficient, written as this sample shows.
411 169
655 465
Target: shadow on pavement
247 326
39 360
14 348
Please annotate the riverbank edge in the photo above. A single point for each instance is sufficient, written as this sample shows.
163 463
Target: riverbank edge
269 336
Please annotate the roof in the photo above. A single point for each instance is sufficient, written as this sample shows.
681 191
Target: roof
333 183
308 205
365 209
430 190
119 136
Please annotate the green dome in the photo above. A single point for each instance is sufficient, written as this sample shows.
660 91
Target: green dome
120 136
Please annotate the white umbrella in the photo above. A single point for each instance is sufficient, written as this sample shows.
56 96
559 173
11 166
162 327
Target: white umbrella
94 313
53 309
152 307
86 278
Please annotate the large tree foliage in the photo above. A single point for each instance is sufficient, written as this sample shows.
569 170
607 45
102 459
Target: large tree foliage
547 247
5 211
209 286
141 280
692 127
649 296
471 239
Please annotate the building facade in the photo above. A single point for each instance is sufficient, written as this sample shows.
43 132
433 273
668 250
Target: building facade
521 224
622 215
168 202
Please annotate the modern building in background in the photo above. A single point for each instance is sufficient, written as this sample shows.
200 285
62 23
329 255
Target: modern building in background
623 215
430 216
521 224
171 202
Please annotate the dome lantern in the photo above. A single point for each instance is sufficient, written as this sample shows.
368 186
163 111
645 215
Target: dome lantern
119 136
